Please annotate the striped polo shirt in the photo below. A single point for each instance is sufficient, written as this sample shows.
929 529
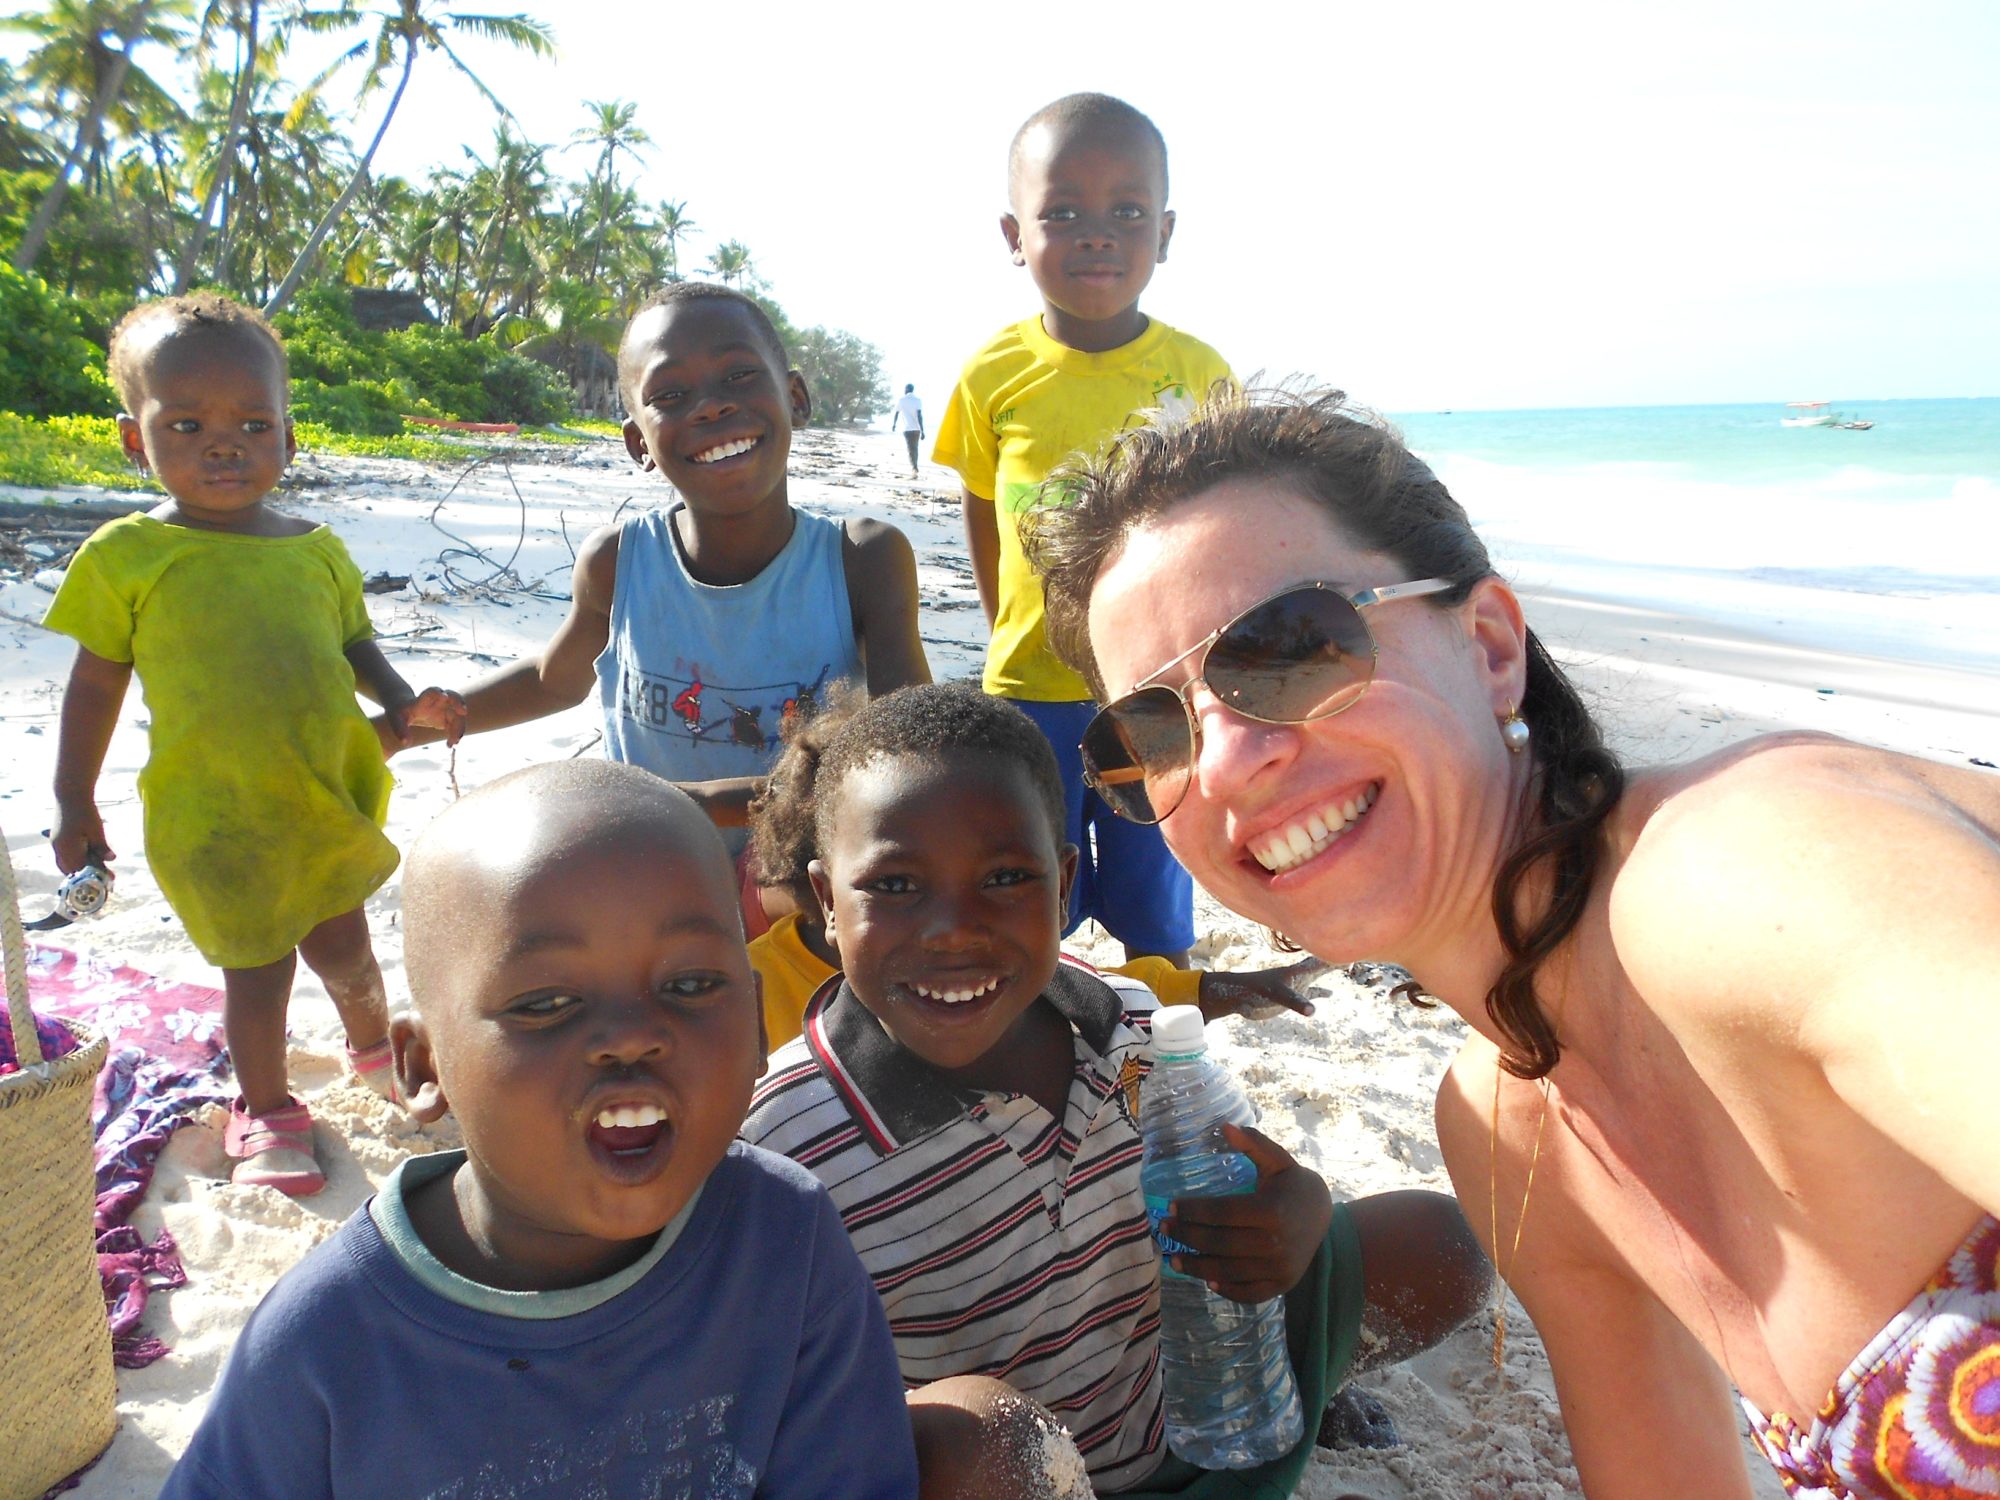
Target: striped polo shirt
1003 1242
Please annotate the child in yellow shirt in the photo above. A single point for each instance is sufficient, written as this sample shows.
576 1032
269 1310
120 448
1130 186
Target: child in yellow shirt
264 786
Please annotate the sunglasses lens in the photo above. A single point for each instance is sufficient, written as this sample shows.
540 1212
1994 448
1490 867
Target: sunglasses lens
1300 656
1138 754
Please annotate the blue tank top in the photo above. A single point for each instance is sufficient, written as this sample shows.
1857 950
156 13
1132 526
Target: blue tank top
696 680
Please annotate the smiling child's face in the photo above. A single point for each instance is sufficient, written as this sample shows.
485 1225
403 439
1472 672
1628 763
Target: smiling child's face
210 420
944 887
711 405
591 1020
1089 220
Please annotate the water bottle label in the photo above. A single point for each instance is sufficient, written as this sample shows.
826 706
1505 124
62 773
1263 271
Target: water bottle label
1157 1210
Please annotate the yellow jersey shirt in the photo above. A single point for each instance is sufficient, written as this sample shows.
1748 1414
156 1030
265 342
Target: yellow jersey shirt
1023 405
264 787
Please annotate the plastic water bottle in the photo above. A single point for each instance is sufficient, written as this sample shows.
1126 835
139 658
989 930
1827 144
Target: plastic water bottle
1231 1400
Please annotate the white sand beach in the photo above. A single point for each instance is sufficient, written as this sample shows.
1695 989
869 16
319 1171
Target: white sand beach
1349 1091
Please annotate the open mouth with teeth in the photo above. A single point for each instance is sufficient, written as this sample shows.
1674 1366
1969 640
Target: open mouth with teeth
721 451
628 1135
960 992
1289 847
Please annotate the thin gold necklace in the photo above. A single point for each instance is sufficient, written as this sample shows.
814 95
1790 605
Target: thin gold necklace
1493 1209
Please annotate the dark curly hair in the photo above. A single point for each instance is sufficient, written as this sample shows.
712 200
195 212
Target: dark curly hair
1384 499
782 842
934 719
186 314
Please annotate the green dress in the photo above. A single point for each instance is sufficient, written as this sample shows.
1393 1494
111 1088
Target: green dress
264 789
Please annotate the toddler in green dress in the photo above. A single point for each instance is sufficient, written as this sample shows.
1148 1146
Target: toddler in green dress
264 787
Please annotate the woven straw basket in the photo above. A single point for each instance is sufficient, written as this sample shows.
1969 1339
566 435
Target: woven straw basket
58 1398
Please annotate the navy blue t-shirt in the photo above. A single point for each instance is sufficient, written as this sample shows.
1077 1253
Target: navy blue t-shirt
751 1357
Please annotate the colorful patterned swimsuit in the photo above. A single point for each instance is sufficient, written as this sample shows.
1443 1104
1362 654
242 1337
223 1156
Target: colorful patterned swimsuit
1917 1415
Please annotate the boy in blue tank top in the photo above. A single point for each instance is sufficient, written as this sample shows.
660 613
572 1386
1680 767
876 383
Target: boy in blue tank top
705 626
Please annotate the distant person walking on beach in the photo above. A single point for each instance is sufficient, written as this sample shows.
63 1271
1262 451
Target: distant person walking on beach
909 415
1725 1115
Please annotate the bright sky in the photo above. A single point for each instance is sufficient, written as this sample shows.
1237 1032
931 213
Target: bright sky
1432 204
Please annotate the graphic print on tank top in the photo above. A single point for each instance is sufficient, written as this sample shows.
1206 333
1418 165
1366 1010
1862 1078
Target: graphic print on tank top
693 709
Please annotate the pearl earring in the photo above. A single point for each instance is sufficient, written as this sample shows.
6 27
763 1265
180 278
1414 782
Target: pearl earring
1514 732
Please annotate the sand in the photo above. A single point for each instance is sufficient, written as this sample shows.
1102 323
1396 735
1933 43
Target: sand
1349 1091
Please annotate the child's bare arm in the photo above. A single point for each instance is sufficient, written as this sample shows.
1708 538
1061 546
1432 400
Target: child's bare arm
982 538
561 676
89 714
378 681
881 572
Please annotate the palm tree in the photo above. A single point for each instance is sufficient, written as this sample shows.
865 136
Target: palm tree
731 262
239 19
611 130
75 65
408 27
21 145
675 226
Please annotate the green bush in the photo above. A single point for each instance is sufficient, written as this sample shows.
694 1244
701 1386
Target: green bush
843 372
62 452
350 377
47 366
364 406
526 391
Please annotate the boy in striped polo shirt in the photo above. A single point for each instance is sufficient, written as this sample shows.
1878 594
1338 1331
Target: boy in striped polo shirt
968 1097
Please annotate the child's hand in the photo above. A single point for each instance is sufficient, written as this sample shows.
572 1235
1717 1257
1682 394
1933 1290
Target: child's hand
1257 1245
1255 992
435 708
78 838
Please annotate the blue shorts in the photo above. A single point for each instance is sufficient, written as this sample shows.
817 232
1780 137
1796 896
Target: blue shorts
1126 879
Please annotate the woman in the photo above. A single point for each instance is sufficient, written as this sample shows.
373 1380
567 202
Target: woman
1727 1112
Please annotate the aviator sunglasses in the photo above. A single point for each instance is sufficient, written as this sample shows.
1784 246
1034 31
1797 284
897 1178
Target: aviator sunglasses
1300 655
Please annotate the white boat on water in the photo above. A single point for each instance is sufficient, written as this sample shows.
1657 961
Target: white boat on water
1810 414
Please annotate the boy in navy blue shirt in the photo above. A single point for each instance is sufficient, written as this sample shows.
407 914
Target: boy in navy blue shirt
603 1293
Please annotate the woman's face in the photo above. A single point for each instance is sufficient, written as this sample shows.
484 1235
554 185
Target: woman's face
1416 768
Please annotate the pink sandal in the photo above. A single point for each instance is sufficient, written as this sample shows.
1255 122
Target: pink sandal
273 1150
376 1067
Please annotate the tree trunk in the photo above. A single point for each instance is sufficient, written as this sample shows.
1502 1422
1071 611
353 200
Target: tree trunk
333 215
108 90
225 161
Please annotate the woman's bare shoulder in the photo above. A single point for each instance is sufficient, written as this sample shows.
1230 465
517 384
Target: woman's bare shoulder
1757 868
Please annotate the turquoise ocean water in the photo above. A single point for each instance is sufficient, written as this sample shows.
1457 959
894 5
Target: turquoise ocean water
1913 447
1884 542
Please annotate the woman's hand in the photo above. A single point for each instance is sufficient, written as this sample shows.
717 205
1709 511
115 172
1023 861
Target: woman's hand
1256 1245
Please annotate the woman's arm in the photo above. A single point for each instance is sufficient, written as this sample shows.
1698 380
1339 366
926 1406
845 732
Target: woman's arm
1647 1411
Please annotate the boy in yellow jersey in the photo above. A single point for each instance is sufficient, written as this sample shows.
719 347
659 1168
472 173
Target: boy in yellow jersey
1087 184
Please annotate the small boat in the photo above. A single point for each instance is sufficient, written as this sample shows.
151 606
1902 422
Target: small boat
1810 414
1858 424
